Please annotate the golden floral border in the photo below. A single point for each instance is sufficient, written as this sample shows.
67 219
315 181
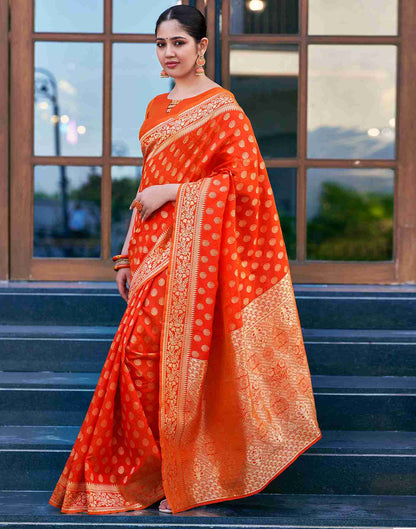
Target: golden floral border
153 263
95 498
161 134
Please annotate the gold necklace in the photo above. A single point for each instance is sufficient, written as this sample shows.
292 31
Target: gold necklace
173 103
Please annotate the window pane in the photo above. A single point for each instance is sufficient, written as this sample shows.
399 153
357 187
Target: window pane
350 214
68 99
136 80
134 17
351 101
355 17
70 16
264 16
125 183
264 79
283 182
67 211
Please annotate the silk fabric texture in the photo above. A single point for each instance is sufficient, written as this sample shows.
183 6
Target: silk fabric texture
206 394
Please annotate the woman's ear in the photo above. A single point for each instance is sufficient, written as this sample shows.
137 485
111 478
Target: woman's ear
203 45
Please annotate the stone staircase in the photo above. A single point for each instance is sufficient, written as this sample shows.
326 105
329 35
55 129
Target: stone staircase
361 346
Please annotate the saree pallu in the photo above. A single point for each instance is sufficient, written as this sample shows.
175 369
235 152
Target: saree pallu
235 400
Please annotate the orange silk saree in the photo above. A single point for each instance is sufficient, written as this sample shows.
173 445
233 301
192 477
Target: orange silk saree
206 394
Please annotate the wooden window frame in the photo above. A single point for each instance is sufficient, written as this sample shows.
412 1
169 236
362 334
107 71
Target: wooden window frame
403 266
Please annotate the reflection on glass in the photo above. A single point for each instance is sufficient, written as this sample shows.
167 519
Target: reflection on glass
350 214
136 80
70 16
355 17
351 101
264 16
68 99
283 182
125 183
136 17
67 211
264 79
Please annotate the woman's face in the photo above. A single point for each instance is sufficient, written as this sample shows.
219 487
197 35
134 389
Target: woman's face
177 51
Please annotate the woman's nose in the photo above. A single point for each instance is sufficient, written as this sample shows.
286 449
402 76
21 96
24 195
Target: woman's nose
170 52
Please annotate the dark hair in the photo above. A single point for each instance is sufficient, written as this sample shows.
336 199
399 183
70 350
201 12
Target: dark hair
189 17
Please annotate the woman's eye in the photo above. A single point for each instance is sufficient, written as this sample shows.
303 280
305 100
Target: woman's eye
161 44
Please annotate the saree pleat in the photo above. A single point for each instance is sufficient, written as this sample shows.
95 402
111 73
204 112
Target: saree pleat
206 393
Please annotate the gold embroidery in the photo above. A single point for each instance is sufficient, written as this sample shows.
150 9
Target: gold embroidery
192 126
153 263
102 499
257 379
169 128
275 414
180 293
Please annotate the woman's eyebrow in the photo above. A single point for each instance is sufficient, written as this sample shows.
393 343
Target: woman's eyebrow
171 38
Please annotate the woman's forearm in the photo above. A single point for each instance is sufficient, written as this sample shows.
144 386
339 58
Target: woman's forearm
173 190
125 249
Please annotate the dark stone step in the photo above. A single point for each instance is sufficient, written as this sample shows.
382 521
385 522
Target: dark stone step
291 511
360 352
332 441
329 351
54 348
61 307
319 307
340 310
342 402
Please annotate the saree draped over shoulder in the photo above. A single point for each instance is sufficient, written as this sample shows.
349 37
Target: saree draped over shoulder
206 394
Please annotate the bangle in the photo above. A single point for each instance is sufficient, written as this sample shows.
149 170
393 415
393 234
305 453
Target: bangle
117 266
121 261
120 256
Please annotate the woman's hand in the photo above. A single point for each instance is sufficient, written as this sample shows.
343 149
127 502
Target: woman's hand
151 198
122 279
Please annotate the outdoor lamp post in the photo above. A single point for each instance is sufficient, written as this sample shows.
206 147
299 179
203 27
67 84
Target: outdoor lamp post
46 87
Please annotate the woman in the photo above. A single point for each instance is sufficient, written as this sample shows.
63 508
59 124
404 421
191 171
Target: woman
205 395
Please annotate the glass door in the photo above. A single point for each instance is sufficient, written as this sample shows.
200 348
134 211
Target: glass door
327 84
82 75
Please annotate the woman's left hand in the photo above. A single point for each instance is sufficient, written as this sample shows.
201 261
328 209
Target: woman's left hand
151 199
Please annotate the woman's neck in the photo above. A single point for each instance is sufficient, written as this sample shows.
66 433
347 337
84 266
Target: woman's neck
189 87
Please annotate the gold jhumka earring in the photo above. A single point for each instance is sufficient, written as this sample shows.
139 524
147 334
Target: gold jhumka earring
200 63
164 74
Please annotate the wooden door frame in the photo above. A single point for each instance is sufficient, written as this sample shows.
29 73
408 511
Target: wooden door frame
23 266
403 267
4 140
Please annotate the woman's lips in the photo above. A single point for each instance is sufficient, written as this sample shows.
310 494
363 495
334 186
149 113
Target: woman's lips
171 64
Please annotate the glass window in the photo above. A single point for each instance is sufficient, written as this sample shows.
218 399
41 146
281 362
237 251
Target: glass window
264 16
264 79
355 17
130 16
67 211
68 99
136 80
283 182
350 214
125 183
351 101
69 16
